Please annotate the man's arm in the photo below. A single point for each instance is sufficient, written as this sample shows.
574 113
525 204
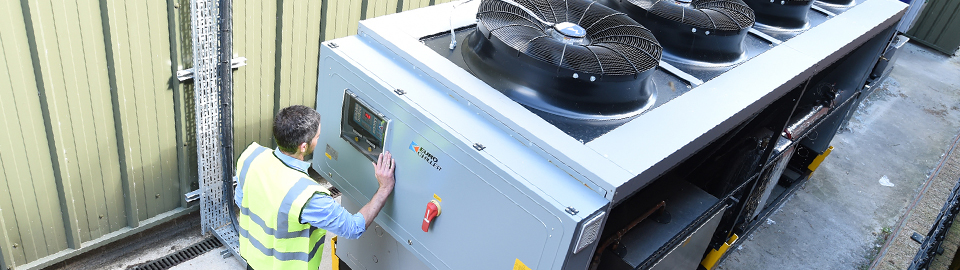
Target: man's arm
383 170
323 212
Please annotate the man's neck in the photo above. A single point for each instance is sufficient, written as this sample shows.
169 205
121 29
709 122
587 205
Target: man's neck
297 155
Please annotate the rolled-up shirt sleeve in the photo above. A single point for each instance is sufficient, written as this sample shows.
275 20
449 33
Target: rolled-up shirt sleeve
325 213
238 195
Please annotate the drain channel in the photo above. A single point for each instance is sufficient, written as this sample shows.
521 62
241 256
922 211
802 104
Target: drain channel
181 256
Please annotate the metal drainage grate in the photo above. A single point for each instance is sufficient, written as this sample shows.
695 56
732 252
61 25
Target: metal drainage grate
181 256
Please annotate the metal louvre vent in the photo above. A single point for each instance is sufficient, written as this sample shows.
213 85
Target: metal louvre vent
618 44
183 255
731 15
589 232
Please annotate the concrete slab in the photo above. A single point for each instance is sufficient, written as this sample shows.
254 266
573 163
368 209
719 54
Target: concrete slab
838 219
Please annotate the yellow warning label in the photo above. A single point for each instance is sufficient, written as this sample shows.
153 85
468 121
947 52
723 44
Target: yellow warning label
437 197
518 265
328 155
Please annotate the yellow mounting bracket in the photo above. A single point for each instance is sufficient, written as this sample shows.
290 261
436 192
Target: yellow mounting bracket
711 259
816 161
333 254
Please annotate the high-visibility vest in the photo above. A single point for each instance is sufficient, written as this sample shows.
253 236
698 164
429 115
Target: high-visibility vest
271 235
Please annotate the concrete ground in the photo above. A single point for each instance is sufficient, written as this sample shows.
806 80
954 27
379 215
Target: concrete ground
841 217
141 248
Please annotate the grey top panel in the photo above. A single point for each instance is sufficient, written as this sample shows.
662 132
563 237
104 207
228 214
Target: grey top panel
628 157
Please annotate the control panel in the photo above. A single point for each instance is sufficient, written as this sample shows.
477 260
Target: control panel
364 127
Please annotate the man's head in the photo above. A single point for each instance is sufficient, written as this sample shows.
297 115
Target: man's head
296 129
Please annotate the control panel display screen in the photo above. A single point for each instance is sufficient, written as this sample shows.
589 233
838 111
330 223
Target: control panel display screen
363 126
369 122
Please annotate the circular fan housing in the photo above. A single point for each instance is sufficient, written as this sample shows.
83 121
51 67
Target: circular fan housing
701 30
783 14
573 58
841 3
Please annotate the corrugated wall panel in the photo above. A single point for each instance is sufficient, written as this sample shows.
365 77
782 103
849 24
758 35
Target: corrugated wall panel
255 37
242 18
299 49
182 48
163 91
141 51
32 226
938 26
125 108
269 17
107 156
285 34
79 40
293 65
312 53
59 124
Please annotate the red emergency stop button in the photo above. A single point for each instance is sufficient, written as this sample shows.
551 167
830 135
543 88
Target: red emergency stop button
433 210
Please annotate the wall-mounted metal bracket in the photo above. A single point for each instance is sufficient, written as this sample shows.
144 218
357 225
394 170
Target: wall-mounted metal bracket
187 74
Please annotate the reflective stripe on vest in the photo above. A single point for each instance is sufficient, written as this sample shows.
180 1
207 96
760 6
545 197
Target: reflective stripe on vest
274 195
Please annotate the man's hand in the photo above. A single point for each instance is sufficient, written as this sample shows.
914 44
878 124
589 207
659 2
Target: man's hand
383 170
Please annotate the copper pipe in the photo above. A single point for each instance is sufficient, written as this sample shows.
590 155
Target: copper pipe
610 240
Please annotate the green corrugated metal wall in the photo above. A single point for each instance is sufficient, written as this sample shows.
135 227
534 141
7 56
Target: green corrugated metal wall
296 27
98 135
938 26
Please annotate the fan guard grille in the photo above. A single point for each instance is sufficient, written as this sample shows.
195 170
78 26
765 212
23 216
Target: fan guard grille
729 15
619 45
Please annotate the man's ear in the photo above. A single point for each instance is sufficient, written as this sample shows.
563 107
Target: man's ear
303 147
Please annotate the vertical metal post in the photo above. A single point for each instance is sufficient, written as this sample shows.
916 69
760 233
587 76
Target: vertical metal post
214 123
226 125
226 87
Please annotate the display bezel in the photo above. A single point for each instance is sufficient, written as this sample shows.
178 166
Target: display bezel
360 137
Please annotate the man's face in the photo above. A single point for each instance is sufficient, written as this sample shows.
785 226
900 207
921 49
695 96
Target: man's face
313 143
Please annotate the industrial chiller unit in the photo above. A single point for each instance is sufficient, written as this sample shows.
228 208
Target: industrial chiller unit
552 134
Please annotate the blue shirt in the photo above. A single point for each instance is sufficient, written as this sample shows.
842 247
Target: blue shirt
321 211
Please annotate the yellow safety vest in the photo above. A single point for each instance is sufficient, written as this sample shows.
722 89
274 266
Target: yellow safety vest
271 235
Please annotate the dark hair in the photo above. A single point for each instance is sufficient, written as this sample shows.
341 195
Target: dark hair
295 125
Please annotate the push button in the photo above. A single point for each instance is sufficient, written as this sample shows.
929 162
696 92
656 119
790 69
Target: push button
433 210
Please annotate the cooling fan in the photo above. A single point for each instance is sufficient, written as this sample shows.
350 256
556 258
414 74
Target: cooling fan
838 3
573 58
781 14
709 31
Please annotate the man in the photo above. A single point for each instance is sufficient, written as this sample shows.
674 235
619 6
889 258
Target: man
284 215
